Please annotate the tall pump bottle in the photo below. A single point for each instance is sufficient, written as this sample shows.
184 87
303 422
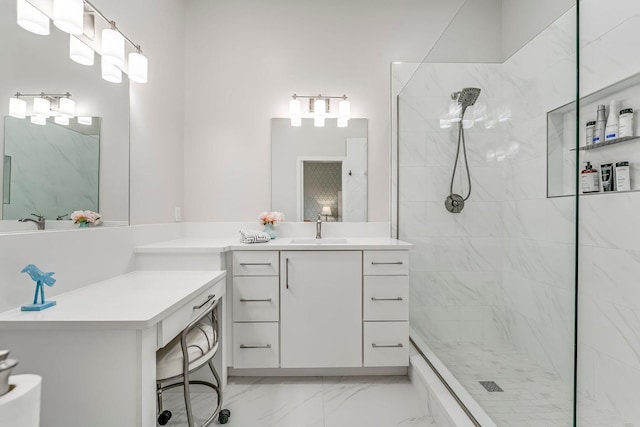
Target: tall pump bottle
601 123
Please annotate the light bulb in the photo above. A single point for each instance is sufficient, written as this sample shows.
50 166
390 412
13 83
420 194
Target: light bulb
80 52
17 108
138 67
110 72
31 19
68 15
41 107
85 120
319 107
61 120
39 120
67 107
344 109
112 47
296 121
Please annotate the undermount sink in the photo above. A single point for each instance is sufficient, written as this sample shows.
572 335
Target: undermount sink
325 241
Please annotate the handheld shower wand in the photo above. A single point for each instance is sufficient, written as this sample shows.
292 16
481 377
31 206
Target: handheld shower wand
466 98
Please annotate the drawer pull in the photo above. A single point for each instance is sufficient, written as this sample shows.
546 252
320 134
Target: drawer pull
209 298
286 280
387 263
255 300
374 345
255 346
386 299
255 263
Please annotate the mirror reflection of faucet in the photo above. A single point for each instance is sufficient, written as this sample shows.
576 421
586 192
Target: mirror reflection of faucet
39 221
61 217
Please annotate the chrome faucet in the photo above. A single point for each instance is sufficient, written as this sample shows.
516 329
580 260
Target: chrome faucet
319 227
39 221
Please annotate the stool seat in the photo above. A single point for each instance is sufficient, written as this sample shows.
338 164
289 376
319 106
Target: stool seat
170 361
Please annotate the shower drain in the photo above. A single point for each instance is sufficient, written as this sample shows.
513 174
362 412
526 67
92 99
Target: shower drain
491 386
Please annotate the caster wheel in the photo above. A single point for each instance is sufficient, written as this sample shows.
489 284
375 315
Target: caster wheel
223 416
164 417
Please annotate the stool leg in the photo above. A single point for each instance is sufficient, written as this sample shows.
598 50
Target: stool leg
187 399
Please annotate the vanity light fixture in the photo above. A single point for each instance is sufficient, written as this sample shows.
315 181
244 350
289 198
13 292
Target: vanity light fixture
69 16
110 72
85 120
32 19
61 120
320 109
63 107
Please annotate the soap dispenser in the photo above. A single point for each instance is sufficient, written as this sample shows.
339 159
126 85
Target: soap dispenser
589 182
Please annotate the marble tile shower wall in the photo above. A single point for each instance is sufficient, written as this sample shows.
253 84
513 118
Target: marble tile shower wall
609 258
457 259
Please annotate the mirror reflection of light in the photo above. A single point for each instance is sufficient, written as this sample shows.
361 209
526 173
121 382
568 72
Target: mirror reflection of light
514 148
39 120
445 123
490 156
500 155
467 123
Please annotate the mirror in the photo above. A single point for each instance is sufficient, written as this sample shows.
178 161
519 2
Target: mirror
54 168
41 64
319 170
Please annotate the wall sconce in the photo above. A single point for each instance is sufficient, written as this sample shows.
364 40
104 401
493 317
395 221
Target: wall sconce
63 109
69 16
319 109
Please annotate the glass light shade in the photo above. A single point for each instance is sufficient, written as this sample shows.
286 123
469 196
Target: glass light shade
41 107
85 120
343 122
319 107
39 120
110 72
31 19
68 15
112 47
296 121
67 107
61 120
318 121
17 108
80 52
326 211
138 67
294 109
344 109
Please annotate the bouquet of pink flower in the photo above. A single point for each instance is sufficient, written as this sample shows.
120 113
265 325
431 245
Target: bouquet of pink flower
87 217
273 218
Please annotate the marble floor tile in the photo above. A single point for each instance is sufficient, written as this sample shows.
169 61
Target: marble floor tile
310 402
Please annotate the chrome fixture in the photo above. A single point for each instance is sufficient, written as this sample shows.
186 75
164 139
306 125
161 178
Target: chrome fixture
77 18
319 227
6 366
465 98
319 109
45 105
39 221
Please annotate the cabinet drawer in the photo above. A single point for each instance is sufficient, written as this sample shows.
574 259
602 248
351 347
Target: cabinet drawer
386 343
255 263
386 298
256 299
256 345
386 263
174 324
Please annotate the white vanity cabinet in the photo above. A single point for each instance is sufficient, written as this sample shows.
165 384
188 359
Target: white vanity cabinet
256 314
320 309
386 308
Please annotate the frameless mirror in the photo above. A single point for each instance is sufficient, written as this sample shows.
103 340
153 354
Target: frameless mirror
54 169
77 168
319 170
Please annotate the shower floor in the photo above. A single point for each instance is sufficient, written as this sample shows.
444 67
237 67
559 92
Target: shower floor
532 396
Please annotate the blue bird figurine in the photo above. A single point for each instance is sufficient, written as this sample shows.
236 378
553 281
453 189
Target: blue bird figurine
40 277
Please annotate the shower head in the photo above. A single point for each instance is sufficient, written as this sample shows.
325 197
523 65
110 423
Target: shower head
467 96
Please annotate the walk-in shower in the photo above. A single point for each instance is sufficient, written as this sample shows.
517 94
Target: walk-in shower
464 99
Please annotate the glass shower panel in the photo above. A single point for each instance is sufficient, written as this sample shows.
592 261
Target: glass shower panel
492 287
608 374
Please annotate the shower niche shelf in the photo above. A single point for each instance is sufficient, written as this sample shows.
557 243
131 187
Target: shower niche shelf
563 136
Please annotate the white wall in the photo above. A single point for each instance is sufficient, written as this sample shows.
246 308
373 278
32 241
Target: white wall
246 58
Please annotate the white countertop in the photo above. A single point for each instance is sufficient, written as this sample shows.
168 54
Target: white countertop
225 244
137 300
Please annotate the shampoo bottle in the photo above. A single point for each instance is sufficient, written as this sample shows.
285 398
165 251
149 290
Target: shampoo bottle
601 122
589 182
612 128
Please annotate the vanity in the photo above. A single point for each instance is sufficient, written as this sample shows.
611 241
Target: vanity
338 306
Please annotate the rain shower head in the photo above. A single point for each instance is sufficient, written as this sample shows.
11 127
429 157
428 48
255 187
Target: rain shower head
467 96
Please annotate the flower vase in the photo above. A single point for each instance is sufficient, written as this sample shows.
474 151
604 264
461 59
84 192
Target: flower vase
84 225
270 230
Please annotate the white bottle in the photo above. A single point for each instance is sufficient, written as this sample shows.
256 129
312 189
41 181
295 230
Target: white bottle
626 123
613 120
623 182
601 121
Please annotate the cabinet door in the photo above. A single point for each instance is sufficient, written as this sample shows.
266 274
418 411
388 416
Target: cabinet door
320 309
